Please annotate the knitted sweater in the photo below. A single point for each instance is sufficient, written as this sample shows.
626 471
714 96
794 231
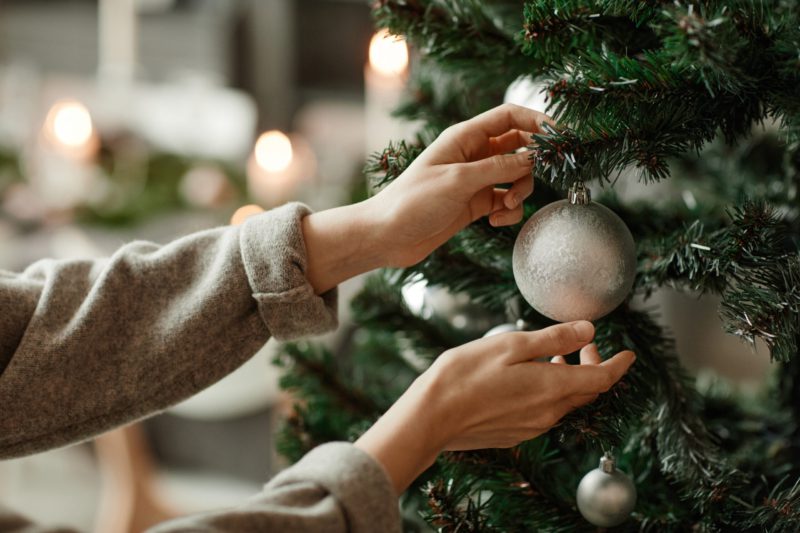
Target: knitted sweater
88 345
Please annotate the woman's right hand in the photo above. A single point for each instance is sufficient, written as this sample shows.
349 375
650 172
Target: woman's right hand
494 392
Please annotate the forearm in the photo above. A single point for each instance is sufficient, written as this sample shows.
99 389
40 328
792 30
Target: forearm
408 438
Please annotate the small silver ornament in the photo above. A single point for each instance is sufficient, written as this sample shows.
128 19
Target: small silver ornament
426 301
506 328
606 495
574 259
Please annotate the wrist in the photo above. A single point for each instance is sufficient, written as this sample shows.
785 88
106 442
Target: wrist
408 438
340 244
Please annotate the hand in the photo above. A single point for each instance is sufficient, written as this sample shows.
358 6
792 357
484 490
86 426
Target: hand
491 393
451 184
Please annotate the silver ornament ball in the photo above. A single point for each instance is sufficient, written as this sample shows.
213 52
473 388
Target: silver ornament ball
574 259
606 496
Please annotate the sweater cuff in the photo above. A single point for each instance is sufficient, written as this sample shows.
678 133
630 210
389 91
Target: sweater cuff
354 478
274 256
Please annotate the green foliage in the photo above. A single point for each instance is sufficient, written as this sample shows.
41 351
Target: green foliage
706 93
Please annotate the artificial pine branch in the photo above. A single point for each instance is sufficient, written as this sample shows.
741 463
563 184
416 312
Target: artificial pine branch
747 262
469 35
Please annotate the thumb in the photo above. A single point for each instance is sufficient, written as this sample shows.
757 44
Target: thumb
494 170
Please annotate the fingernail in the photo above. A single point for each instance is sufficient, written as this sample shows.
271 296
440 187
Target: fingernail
584 329
494 220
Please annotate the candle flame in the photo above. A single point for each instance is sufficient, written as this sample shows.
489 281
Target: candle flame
69 124
273 151
388 54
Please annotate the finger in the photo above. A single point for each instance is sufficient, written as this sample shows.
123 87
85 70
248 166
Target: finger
559 360
494 170
521 189
619 364
591 379
590 355
500 119
560 339
485 203
506 217
509 141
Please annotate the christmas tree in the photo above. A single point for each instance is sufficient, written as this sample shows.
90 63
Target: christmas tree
704 94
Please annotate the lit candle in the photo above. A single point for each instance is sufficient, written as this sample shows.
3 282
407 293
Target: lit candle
63 172
68 129
384 80
277 166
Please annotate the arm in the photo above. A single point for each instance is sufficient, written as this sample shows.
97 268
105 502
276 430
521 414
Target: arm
494 392
89 345
450 185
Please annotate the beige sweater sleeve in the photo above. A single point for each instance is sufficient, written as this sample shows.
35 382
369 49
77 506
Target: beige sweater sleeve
335 488
87 345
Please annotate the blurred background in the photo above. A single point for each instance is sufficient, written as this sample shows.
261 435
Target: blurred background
150 119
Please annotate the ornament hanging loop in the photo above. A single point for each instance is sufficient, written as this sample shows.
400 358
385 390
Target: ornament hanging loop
579 194
607 463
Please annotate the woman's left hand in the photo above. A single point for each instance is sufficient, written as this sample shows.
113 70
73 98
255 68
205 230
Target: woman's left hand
454 182
450 185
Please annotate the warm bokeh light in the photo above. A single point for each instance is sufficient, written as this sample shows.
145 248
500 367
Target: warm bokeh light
388 54
69 124
273 151
414 294
245 212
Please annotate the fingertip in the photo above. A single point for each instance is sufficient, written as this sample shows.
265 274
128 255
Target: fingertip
523 158
622 361
584 330
590 355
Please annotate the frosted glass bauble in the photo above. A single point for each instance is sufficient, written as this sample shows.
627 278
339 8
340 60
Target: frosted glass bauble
574 261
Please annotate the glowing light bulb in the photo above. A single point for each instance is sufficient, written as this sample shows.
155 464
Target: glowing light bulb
69 124
273 151
388 54
245 212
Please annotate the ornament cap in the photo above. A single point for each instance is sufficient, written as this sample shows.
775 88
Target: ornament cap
579 194
607 463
